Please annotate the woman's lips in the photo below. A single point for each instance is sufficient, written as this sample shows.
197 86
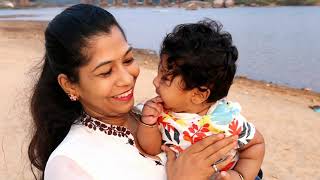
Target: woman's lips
124 96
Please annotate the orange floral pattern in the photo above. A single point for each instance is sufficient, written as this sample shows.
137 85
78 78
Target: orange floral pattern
180 130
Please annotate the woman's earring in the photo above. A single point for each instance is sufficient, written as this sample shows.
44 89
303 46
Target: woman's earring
73 97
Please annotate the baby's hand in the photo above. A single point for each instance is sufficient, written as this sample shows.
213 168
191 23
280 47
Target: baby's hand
152 110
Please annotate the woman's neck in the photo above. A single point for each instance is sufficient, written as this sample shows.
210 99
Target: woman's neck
121 120
117 119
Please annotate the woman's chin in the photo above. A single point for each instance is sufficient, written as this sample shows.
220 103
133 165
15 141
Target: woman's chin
125 107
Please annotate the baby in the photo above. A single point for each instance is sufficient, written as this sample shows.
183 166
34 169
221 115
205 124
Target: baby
197 67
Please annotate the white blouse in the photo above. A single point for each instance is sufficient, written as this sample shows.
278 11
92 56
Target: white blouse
99 151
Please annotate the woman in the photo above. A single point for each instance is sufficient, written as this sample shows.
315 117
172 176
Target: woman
82 108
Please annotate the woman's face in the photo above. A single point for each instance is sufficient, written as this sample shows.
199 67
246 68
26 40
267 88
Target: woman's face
106 83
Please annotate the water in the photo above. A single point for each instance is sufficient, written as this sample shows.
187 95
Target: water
279 45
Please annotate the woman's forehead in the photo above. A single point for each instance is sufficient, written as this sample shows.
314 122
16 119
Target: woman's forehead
108 47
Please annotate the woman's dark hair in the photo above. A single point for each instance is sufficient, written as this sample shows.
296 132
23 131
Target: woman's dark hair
203 55
66 38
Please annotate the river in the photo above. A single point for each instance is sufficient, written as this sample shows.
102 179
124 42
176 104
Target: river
276 44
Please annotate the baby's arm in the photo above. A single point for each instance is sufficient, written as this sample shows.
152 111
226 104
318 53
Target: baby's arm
250 159
148 133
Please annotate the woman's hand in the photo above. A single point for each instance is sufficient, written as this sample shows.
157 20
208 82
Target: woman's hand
195 163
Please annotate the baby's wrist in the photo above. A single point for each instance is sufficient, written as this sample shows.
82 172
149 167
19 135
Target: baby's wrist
240 175
148 124
148 120
235 175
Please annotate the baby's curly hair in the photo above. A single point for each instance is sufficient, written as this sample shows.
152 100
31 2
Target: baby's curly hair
203 55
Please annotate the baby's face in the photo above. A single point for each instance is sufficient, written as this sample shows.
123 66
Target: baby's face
174 97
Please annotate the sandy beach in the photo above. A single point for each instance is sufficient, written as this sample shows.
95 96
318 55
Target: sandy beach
282 114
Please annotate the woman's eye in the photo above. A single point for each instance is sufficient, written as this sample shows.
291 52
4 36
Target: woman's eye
128 61
105 74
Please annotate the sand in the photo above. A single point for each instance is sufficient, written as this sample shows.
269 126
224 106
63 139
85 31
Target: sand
289 126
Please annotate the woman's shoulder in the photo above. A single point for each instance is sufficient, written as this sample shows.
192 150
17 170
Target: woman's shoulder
67 156
84 148
76 138
62 167
98 152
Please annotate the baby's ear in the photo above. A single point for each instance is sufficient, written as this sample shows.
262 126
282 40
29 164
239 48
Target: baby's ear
200 95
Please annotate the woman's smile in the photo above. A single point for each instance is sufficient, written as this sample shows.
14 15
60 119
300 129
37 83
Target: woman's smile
126 96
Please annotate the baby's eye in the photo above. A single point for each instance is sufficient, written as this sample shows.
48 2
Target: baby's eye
165 78
161 70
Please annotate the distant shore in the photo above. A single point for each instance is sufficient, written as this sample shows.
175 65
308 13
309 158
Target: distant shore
282 114
198 4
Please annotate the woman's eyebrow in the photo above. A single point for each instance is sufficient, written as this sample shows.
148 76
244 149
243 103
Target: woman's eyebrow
127 52
109 61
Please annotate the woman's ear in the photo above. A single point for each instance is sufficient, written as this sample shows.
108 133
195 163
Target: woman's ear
200 96
67 86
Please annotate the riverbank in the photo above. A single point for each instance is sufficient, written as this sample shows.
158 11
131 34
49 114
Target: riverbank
194 4
281 113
